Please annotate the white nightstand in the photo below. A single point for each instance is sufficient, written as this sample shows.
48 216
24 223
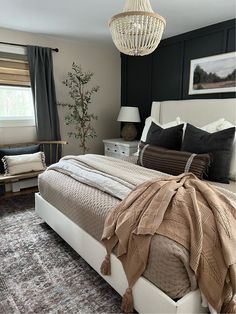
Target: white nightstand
119 148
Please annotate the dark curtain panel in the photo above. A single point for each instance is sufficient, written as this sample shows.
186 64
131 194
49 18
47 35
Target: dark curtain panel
43 90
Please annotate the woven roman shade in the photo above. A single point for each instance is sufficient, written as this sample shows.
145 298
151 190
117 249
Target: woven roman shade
14 69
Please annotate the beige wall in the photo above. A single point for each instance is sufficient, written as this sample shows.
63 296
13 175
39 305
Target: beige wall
100 58
10 135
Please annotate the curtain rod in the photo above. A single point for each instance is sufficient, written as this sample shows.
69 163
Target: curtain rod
19 45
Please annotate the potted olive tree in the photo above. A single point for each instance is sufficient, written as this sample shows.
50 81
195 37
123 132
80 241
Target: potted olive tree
78 114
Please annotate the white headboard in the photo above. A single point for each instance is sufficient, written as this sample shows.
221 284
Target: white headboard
198 112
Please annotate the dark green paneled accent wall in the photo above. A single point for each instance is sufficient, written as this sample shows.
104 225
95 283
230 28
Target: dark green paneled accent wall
164 75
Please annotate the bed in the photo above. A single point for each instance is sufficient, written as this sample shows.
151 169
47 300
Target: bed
73 228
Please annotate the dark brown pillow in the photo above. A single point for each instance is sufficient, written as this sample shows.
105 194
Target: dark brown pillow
172 161
170 138
219 144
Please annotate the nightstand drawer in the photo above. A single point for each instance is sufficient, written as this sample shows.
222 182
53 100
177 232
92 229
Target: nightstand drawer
119 148
110 147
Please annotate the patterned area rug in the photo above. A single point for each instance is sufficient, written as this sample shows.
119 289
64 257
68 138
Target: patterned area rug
40 273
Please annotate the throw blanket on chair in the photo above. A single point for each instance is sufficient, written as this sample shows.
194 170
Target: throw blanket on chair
188 211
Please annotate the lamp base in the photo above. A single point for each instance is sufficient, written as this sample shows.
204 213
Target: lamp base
129 131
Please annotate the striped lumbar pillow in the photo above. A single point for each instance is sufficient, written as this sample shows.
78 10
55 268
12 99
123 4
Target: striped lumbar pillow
172 161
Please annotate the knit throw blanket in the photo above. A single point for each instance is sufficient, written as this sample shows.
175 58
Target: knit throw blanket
188 211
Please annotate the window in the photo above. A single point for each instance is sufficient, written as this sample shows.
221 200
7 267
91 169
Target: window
16 102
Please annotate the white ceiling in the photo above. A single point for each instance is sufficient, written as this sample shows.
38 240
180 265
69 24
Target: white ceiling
89 18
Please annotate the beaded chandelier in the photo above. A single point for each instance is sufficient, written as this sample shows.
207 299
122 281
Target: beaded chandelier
137 31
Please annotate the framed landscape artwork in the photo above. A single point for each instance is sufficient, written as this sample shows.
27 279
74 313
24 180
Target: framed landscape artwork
215 74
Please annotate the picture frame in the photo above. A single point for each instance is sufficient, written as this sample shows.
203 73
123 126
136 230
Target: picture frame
214 74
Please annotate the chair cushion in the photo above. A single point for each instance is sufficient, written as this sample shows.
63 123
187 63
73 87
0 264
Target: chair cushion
17 151
24 163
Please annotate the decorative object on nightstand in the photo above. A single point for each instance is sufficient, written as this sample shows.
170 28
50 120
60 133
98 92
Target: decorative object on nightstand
129 115
119 148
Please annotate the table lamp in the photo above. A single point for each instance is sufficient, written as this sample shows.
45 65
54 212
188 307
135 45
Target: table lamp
129 115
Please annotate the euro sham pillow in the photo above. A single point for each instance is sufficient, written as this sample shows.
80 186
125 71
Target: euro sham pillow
171 161
17 151
24 163
213 126
220 125
151 120
170 138
219 144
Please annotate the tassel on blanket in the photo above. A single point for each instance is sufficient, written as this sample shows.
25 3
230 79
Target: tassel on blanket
127 305
106 266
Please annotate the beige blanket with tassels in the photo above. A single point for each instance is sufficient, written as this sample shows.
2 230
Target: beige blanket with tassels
189 211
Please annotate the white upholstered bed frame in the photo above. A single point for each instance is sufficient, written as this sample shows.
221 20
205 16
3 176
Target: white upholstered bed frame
147 297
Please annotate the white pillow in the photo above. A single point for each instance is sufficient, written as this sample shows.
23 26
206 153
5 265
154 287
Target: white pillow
213 126
149 121
17 164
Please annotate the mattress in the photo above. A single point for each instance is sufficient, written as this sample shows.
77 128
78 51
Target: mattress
168 263
231 187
